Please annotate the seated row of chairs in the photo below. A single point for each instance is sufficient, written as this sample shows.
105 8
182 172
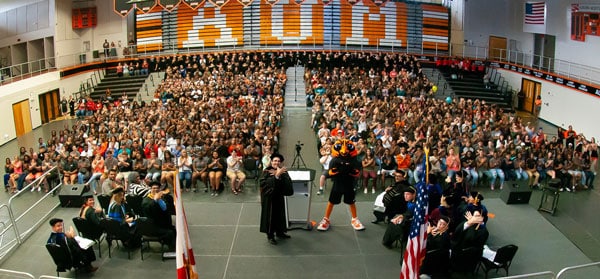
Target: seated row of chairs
111 231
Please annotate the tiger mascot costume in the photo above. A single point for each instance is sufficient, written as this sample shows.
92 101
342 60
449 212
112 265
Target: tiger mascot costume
344 169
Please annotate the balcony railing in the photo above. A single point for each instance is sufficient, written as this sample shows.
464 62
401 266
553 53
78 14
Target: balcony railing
570 70
573 71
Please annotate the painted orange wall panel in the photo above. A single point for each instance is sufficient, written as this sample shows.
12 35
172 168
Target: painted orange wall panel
286 23
438 46
434 8
150 22
212 24
401 22
371 28
435 21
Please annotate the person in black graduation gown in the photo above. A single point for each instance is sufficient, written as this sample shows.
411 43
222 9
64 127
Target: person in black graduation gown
471 233
155 207
274 184
397 228
436 263
393 199
82 258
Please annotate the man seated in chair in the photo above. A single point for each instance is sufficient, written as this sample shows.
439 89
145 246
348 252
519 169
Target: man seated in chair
82 258
398 226
92 214
119 210
155 208
471 233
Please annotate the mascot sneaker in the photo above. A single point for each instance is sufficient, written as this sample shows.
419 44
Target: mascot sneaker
357 225
324 224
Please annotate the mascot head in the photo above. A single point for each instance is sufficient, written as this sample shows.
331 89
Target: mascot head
343 148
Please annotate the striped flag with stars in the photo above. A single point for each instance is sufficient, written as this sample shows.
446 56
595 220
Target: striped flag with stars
417 239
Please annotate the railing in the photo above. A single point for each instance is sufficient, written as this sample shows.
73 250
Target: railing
14 222
15 274
570 70
574 71
19 274
26 70
577 267
544 274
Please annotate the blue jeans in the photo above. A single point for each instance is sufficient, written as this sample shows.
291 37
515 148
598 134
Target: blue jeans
153 176
93 181
187 177
474 176
496 173
521 174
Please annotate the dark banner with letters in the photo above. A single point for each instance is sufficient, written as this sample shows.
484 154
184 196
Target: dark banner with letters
549 77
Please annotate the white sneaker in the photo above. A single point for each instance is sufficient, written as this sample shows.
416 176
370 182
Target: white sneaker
32 189
373 191
357 225
324 224
365 191
39 189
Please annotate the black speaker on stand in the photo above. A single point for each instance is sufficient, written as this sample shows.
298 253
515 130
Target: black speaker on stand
71 195
516 192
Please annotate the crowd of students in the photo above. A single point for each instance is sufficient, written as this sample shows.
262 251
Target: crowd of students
392 118
210 106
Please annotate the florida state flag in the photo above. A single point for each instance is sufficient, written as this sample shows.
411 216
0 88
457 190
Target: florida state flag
186 264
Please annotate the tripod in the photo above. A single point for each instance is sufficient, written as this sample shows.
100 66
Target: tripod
298 161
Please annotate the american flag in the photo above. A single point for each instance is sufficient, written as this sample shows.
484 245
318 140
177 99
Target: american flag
535 12
417 239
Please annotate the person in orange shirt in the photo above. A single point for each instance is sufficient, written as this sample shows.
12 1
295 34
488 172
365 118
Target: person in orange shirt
538 105
570 136
403 162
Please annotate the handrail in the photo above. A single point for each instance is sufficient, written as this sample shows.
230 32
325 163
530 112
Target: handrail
529 275
564 270
51 277
39 221
5 230
2 236
16 273
568 69
27 69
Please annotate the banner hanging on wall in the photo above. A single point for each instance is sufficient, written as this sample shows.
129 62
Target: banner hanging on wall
194 4
121 7
245 3
169 5
549 77
145 6
218 3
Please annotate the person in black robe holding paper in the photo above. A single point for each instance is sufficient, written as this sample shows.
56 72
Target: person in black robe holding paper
82 258
274 184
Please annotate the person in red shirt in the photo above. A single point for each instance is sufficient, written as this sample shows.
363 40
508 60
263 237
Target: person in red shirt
90 107
538 138
338 131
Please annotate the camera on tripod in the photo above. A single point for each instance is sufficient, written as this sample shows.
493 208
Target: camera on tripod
299 147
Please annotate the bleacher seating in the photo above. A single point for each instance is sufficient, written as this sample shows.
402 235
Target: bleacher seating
129 85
